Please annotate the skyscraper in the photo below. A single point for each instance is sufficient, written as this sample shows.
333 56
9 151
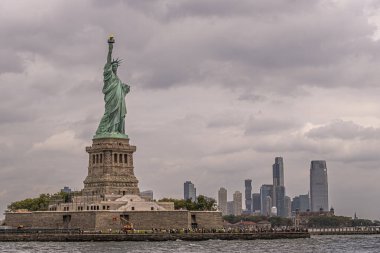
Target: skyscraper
248 195
296 204
301 202
279 200
256 202
230 208
304 203
238 199
266 190
278 171
318 186
278 197
288 207
269 206
222 200
189 191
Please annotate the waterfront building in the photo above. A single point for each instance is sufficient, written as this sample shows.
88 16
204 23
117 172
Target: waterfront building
256 202
189 191
237 199
301 219
222 200
266 190
318 186
248 195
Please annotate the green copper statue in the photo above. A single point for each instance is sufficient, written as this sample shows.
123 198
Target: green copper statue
112 123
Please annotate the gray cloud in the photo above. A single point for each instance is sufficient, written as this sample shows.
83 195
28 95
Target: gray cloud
344 130
270 125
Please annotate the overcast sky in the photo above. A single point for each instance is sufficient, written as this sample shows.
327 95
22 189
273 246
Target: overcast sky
219 88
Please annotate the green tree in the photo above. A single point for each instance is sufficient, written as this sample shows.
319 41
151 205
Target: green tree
333 221
361 222
203 203
277 221
40 203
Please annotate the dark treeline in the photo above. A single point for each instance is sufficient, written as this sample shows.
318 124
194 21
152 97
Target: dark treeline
40 203
317 221
275 220
203 203
340 221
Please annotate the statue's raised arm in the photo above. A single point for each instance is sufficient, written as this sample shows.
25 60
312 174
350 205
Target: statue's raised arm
110 41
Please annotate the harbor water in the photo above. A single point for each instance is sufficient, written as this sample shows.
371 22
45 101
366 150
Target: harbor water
315 244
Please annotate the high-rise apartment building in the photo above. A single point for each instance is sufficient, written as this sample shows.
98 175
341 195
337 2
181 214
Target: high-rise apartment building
301 202
256 202
248 195
278 171
237 199
288 207
318 186
296 203
266 190
278 197
279 200
230 208
304 203
222 200
189 191
268 206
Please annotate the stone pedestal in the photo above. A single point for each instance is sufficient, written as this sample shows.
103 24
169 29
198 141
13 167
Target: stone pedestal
110 168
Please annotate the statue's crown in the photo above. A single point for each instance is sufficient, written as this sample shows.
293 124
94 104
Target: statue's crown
117 61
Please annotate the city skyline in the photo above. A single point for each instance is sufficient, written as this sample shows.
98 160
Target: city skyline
273 197
217 91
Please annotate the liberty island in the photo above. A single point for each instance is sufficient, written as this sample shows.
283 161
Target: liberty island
110 199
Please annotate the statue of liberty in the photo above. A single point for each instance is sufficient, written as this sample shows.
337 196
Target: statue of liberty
112 123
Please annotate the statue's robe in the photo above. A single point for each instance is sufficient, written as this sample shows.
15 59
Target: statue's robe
114 97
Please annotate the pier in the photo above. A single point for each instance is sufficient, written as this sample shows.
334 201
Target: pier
345 231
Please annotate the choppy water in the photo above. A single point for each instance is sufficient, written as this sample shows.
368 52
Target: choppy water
336 244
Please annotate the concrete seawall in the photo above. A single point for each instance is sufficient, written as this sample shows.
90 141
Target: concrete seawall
345 233
150 237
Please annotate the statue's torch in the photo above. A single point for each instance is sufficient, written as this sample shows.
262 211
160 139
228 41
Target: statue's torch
111 39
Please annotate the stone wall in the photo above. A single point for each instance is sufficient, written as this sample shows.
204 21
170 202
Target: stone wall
207 219
144 220
105 220
83 220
